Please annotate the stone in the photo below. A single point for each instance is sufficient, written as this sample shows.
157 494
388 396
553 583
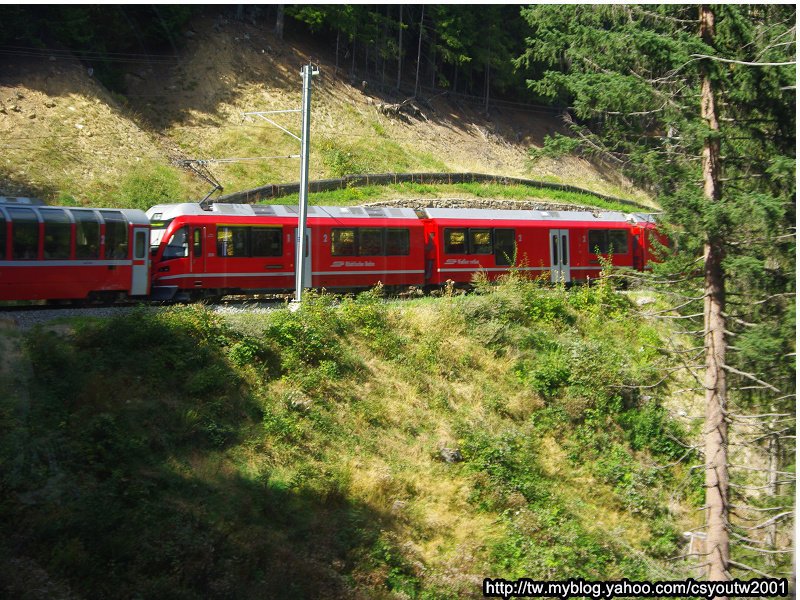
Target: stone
451 455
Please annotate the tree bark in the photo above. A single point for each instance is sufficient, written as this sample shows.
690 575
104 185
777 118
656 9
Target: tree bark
774 451
336 67
419 50
486 104
400 48
716 426
279 21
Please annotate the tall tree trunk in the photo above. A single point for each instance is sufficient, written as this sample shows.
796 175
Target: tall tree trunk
336 68
716 426
419 49
774 452
279 21
400 48
353 65
383 46
486 104
433 62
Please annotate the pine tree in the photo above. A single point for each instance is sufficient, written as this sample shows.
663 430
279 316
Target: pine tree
697 104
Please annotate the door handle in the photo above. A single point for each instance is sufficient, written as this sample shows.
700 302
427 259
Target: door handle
272 266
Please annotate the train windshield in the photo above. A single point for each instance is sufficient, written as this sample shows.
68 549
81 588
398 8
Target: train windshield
157 230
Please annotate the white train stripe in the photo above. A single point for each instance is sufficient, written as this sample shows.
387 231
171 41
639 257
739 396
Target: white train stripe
367 272
478 268
65 263
284 274
201 275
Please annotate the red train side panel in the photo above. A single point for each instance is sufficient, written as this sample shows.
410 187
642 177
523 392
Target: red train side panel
229 248
564 246
248 248
54 253
355 247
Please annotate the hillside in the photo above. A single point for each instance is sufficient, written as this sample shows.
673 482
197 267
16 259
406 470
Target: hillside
352 449
69 140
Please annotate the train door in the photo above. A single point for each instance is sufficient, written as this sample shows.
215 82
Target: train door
197 254
504 247
139 276
559 255
638 254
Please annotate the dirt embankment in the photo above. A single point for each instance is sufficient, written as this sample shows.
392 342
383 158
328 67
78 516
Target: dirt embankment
65 135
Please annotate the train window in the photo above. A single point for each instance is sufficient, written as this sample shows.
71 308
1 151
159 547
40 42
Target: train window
178 245
618 241
116 234
343 242
504 247
24 233
266 241
603 241
370 241
455 241
2 236
232 241
140 249
397 242
197 242
57 233
480 241
87 234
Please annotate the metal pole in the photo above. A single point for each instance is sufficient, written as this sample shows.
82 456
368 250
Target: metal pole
303 261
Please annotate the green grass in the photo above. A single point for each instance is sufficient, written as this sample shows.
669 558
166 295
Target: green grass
179 453
373 193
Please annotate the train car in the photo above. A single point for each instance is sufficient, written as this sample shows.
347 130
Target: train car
356 247
56 253
231 248
243 248
564 246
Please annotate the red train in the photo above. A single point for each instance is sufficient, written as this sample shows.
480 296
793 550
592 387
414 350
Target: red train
56 253
75 253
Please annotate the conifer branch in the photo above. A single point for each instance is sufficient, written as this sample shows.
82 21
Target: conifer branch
745 63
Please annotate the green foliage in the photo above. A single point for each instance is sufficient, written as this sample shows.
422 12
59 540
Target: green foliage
149 185
341 161
98 35
356 195
308 336
547 374
367 315
555 146
648 427
633 78
506 469
169 453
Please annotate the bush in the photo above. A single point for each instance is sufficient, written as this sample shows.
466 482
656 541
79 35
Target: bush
309 335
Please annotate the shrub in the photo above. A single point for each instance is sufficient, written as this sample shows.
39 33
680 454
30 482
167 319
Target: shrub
309 335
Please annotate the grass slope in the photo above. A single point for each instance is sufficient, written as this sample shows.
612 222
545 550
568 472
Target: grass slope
355 448
70 141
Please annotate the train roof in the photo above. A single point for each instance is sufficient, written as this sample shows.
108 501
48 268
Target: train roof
21 200
170 211
134 216
481 214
